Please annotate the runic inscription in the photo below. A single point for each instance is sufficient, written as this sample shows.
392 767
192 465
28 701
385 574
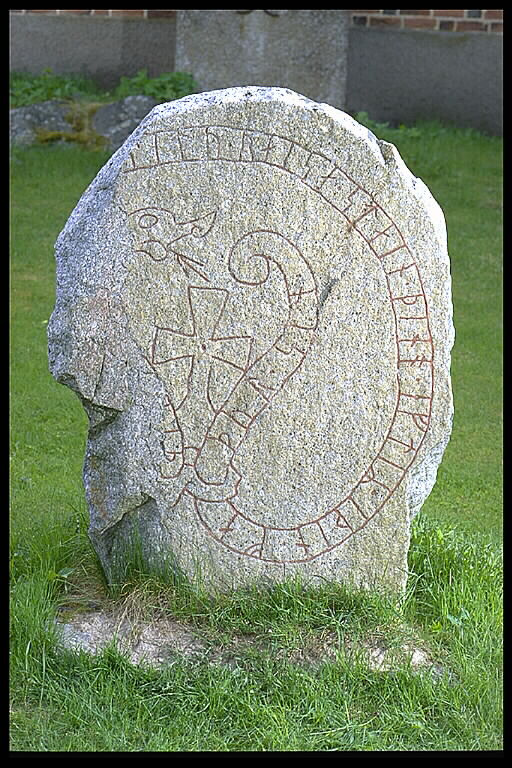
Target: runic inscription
253 304
227 381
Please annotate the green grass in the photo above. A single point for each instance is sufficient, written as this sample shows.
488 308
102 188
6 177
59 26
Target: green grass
68 702
453 607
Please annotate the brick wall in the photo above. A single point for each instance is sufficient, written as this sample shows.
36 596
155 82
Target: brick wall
435 20
488 21
114 14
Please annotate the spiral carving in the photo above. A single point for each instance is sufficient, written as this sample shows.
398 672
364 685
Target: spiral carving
248 263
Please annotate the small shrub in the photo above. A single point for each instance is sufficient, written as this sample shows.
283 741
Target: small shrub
165 87
368 122
26 88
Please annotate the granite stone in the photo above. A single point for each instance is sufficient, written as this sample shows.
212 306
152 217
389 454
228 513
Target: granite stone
254 307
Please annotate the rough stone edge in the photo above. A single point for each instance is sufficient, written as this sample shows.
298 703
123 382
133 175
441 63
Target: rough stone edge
422 476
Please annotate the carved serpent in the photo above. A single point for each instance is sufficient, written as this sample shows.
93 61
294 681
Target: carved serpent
250 262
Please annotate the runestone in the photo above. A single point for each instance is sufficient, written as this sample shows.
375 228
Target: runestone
254 308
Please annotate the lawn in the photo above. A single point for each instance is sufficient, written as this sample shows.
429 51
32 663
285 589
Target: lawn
66 702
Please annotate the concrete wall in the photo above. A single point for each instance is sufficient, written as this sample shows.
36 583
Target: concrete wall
103 48
402 76
305 50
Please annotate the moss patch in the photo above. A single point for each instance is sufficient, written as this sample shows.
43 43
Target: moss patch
79 117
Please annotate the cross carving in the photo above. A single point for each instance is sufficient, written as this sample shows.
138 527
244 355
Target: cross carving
216 363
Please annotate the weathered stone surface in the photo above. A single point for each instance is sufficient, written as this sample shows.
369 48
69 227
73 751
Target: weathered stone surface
25 122
254 306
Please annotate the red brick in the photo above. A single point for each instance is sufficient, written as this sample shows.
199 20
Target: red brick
385 21
77 13
493 14
415 13
127 13
447 26
160 14
450 14
471 26
496 27
420 23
